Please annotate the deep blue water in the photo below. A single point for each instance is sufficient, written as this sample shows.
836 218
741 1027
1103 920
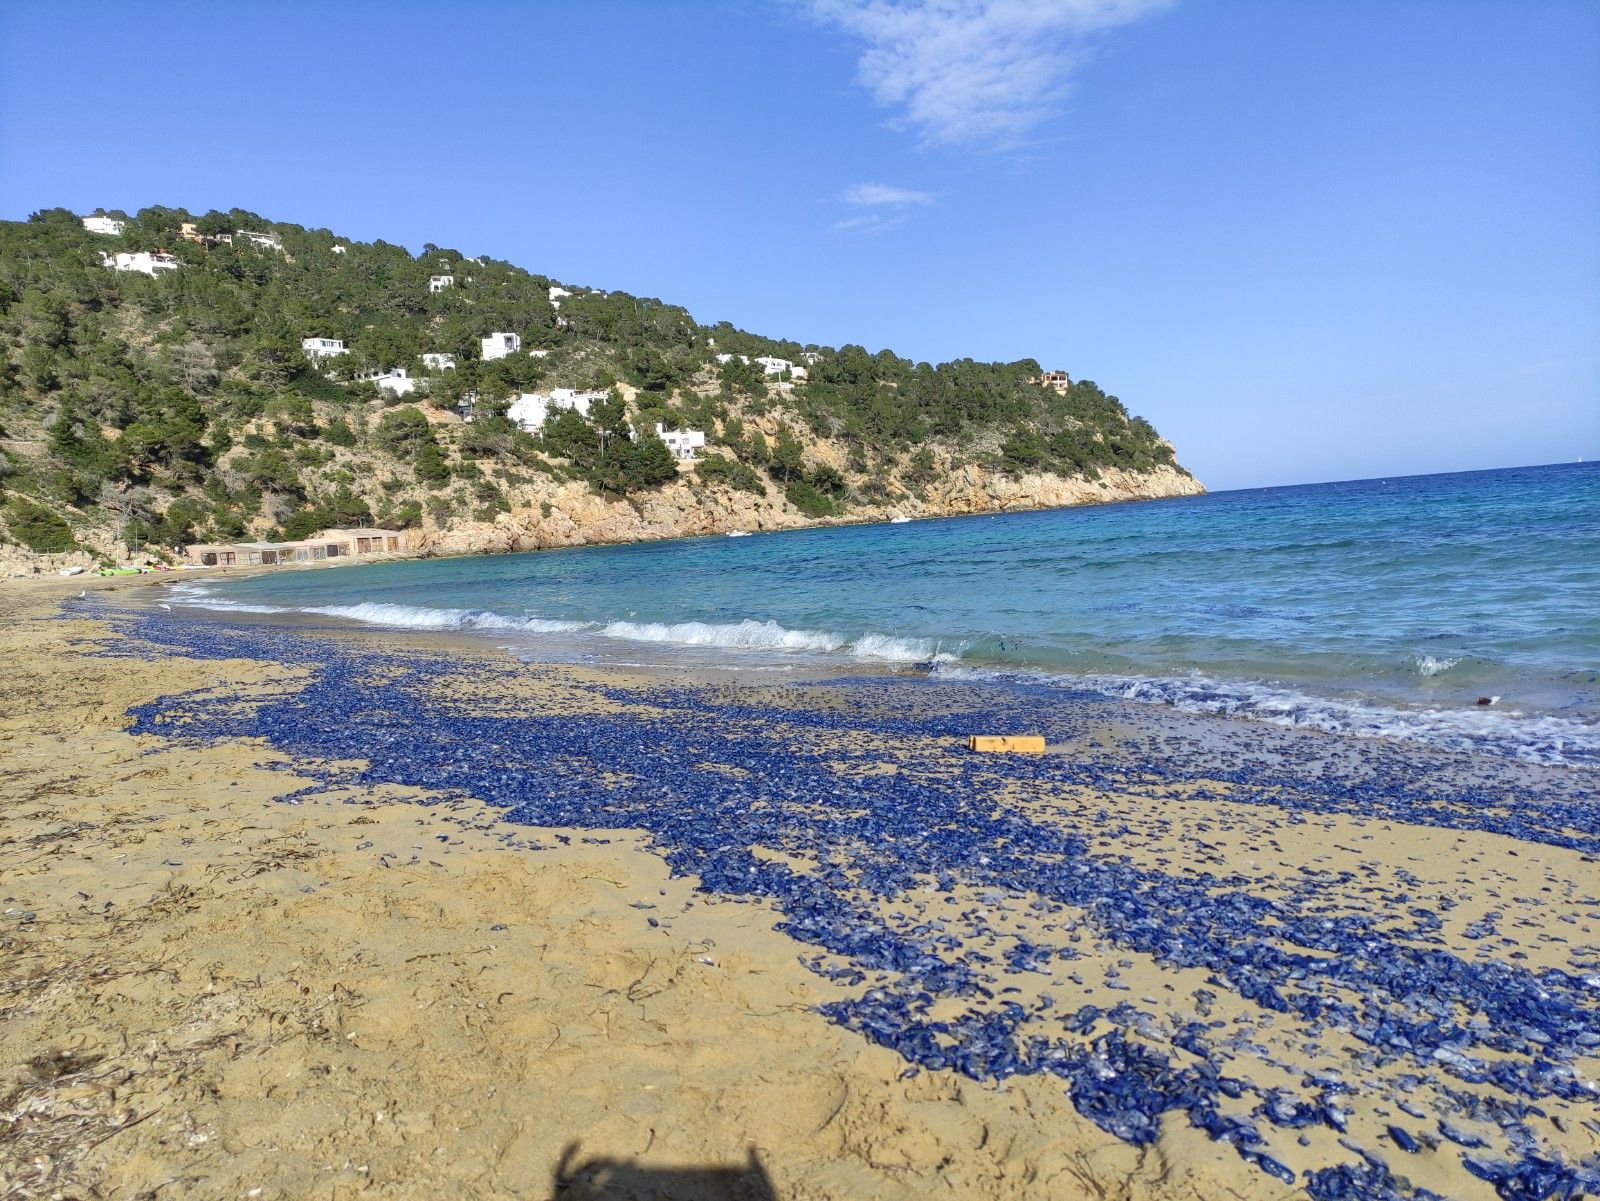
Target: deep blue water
1380 607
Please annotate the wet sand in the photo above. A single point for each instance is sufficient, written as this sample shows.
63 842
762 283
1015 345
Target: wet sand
207 991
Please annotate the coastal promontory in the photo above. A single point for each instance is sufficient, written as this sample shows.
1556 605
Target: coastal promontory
169 377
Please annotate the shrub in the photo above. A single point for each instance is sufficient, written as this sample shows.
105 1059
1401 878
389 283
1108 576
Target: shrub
809 500
714 469
38 528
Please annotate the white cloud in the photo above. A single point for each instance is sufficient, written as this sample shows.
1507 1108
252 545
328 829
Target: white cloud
969 72
884 194
869 223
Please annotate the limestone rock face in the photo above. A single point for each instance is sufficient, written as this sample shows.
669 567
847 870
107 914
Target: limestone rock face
550 514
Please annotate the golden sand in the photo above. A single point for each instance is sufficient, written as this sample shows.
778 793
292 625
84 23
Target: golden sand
207 992
222 995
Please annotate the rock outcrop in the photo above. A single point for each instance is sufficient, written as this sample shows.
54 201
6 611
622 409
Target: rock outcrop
572 514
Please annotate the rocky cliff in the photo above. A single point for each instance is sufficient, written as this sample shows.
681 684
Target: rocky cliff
571 514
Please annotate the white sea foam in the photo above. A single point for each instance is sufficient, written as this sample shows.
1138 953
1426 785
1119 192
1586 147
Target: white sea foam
746 635
1427 665
751 635
418 618
408 617
740 635
200 597
1534 739
899 650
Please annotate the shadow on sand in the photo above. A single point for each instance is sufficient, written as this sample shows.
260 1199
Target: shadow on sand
628 1180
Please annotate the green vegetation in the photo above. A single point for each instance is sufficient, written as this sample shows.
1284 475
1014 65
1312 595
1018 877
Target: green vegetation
37 527
715 469
161 410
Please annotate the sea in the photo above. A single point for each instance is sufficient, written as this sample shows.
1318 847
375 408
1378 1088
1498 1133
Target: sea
1459 610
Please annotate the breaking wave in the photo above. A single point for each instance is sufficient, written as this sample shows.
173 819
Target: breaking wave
414 618
1427 665
741 635
747 635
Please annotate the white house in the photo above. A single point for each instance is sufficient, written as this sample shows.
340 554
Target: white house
728 358
556 294
498 346
104 225
338 248
255 238
465 406
811 357
396 380
146 262
772 366
530 409
439 362
322 348
682 443
438 283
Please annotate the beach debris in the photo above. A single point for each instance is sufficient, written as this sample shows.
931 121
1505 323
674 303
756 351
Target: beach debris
1015 744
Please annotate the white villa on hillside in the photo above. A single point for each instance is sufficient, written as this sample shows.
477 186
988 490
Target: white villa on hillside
768 365
811 357
104 225
396 380
498 346
438 283
556 294
682 443
146 262
339 248
531 409
322 348
256 238
575 398
439 362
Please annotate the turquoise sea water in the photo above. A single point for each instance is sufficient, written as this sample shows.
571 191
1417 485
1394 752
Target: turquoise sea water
1379 607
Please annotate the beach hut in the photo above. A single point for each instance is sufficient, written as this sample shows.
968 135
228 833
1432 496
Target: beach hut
328 544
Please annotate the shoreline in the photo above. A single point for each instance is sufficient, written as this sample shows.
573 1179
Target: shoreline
1536 726
605 1022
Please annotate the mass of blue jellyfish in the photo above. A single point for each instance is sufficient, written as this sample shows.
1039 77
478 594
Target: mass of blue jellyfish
942 892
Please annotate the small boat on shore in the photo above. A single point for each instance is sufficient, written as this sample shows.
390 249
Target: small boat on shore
738 533
898 520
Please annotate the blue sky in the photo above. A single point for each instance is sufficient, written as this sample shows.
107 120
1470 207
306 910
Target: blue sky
1308 240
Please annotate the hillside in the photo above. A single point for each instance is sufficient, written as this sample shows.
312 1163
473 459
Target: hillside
143 409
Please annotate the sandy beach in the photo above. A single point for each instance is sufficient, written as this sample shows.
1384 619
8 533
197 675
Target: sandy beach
374 990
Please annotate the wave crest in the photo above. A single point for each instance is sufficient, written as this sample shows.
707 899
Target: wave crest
746 635
1427 665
